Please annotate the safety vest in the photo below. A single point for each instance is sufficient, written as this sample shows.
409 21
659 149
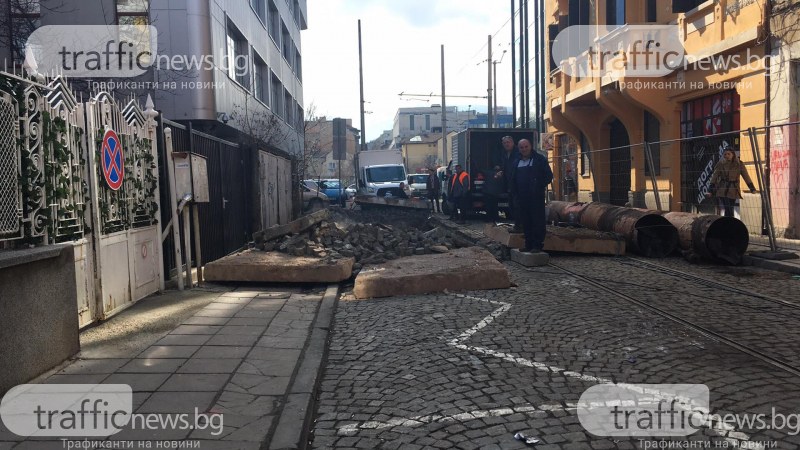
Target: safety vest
462 178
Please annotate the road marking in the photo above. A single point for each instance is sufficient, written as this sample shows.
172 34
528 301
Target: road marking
353 428
723 428
732 436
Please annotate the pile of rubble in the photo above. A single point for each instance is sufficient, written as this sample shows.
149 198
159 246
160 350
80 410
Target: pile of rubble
368 243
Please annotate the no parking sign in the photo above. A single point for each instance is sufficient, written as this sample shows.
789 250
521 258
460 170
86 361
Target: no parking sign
112 159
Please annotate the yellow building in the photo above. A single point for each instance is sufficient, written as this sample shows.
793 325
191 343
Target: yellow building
601 116
421 153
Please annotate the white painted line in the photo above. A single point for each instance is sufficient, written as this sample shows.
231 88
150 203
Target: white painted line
353 428
732 436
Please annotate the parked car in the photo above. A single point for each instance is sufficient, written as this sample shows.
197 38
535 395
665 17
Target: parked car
313 199
351 190
333 189
418 184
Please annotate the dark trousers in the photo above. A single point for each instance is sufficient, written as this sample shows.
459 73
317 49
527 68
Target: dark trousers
491 207
727 206
434 198
460 205
530 214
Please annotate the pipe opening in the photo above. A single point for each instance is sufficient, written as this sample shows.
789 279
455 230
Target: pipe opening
655 236
727 239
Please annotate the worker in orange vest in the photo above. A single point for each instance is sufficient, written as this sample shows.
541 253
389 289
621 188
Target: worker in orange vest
459 192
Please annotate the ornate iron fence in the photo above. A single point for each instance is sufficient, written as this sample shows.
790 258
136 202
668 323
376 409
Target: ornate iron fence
43 189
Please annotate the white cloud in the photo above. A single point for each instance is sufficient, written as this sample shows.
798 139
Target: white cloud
401 42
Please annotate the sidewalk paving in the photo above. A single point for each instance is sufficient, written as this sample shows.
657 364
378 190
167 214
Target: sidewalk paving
251 354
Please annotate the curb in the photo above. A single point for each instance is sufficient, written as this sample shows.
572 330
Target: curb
771 264
295 420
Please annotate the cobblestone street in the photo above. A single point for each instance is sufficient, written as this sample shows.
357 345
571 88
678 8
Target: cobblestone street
471 370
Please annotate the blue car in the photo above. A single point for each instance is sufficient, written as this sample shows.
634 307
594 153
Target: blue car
333 189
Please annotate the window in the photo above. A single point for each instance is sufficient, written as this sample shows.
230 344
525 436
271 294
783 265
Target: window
615 12
427 121
238 56
298 64
24 19
652 133
296 11
133 12
552 32
301 118
260 8
718 113
586 156
411 122
287 44
287 104
260 79
652 11
276 96
581 12
274 24
682 6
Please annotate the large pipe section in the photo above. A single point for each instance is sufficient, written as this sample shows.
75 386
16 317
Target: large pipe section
711 236
646 232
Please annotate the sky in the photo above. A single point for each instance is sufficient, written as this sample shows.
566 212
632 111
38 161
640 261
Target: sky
401 45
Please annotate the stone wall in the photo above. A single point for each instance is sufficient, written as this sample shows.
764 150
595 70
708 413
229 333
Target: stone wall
39 320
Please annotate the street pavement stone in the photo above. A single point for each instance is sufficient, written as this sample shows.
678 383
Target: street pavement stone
237 356
394 373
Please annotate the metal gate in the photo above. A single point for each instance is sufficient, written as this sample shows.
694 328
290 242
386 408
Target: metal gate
223 220
275 184
123 172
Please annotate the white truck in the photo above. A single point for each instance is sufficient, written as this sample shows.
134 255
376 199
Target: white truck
380 173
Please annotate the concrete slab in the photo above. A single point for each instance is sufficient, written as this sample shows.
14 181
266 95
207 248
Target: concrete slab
274 267
293 227
530 259
464 269
562 239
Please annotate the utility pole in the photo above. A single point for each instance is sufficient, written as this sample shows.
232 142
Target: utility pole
361 88
513 68
523 63
444 116
490 117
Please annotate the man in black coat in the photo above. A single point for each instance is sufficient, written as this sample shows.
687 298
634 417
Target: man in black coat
529 179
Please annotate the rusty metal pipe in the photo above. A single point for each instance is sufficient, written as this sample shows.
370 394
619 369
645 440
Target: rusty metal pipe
711 236
646 232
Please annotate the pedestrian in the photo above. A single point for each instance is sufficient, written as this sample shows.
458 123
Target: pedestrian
529 179
508 158
434 187
725 181
459 191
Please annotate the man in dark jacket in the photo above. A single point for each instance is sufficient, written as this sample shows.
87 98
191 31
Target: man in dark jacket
434 187
507 161
528 182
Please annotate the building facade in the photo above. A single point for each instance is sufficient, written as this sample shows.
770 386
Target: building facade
248 85
410 122
319 157
601 116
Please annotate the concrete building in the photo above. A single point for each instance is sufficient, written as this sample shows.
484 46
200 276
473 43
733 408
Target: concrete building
599 120
410 122
260 95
